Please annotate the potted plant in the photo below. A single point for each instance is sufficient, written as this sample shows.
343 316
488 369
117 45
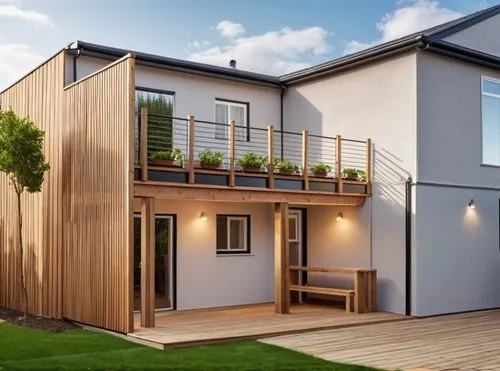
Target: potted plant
251 162
362 175
350 173
285 167
320 169
167 158
209 159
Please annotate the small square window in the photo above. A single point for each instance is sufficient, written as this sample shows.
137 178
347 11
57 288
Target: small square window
233 235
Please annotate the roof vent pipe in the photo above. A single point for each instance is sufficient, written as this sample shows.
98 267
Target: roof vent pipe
232 63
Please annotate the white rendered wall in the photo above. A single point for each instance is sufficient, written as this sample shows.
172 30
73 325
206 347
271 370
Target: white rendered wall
457 252
377 101
206 280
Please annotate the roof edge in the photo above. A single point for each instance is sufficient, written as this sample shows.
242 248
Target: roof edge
101 51
362 57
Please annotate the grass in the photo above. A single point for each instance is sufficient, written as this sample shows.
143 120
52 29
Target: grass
27 349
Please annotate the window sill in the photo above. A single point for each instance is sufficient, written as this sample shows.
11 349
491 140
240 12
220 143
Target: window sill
235 254
489 165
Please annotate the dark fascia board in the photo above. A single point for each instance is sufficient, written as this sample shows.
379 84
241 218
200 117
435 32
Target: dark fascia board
145 59
440 33
365 56
463 53
422 40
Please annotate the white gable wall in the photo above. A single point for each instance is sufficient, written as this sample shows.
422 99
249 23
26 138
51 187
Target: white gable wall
377 101
482 36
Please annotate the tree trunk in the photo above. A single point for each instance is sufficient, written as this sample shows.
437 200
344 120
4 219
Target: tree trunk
21 254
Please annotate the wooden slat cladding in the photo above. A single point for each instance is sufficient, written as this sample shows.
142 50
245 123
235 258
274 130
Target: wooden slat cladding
97 194
39 96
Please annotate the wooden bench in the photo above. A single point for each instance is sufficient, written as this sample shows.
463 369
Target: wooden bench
365 287
347 294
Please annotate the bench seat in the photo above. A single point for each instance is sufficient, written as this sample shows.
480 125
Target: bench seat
346 293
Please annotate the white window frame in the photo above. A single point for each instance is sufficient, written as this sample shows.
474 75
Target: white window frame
246 248
230 104
491 95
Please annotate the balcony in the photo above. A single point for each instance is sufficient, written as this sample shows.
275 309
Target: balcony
195 159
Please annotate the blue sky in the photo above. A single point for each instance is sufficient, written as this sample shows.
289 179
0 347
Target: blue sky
268 36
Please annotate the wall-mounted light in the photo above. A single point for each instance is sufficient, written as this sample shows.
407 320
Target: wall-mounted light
340 216
471 204
203 217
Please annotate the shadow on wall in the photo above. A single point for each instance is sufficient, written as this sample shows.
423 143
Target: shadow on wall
95 213
10 284
389 229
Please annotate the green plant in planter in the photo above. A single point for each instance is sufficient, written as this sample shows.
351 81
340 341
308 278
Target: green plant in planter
210 159
351 173
251 162
168 156
362 175
285 166
320 168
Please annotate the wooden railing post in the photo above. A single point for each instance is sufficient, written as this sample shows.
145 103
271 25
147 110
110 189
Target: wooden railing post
231 153
191 137
339 164
281 260
270 155
143 145
305 161
369 166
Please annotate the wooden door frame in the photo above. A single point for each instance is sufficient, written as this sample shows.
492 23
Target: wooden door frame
303 247
174 258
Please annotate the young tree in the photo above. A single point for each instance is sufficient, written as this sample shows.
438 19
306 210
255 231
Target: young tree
23 161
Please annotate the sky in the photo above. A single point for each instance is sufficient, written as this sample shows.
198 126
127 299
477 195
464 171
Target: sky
267 36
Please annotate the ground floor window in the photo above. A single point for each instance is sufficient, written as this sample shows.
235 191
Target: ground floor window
233 235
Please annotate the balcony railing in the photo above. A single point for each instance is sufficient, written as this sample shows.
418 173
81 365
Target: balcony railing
193 151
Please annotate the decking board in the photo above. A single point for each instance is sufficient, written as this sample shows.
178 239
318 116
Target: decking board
462 341
196 327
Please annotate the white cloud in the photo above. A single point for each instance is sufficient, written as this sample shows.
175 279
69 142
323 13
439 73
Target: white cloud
230 29
12 9
198 44
15 61
274 52
417 15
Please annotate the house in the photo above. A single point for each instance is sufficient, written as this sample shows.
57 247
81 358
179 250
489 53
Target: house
419 116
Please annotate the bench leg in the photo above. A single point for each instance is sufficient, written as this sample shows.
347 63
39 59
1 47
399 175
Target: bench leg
348 303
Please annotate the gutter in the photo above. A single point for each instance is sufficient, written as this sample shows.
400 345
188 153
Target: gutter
463 53
354 60
193 68
408 247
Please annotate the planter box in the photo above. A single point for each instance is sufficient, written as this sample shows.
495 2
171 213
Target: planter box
161 162
351 177
209 166
320 174
251 169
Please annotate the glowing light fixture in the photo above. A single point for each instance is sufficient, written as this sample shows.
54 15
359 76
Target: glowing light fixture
471 204
203 217
340 217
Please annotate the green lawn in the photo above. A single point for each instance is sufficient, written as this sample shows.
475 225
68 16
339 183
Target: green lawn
26 349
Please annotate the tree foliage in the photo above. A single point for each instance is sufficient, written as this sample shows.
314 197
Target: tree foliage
21 152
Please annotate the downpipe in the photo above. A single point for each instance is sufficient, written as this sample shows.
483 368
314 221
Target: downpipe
408 247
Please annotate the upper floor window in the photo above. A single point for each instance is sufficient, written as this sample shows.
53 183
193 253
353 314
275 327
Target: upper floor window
226 111
160 105
490 111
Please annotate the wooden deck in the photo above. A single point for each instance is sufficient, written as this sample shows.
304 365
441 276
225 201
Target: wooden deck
187 328
467 341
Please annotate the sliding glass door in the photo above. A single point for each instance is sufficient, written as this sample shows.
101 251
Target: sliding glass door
164 262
